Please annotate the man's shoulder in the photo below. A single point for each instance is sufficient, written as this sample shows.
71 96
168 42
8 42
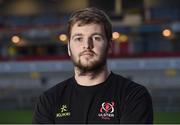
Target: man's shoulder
127 83
59 86
130 89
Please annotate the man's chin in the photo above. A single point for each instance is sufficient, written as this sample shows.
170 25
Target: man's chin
90 67
87 67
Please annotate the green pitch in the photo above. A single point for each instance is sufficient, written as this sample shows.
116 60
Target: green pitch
15 116
25 116
167 117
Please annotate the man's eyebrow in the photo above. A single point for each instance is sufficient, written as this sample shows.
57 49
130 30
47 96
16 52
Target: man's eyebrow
98 34
77 34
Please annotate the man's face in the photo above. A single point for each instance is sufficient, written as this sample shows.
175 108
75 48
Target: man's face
88 46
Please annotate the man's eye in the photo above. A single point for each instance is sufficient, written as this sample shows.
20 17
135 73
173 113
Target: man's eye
78 39
97 38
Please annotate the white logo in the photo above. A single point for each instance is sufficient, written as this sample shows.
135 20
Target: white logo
106 110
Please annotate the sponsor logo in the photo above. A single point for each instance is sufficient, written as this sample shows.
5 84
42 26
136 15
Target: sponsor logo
63 112
106 111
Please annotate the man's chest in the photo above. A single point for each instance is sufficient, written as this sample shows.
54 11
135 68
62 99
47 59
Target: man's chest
88 109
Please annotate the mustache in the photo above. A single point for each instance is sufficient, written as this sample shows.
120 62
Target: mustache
87 51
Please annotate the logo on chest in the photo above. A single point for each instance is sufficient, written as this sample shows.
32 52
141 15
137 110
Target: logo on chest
106 111
63 112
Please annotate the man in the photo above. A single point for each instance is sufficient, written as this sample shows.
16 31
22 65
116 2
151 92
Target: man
94 94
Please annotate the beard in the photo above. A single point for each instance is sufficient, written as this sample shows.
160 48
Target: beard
90 65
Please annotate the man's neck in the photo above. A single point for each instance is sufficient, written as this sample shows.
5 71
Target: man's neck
91 78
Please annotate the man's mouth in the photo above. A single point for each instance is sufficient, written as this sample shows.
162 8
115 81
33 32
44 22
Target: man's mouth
88 53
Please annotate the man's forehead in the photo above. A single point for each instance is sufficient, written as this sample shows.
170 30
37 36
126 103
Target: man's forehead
82 23
90 28
87 29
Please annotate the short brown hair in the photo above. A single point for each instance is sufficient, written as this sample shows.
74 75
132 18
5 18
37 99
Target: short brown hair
91 15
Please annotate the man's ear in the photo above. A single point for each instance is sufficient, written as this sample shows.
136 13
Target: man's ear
110 46
69 52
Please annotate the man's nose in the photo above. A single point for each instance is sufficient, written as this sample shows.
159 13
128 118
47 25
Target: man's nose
88 43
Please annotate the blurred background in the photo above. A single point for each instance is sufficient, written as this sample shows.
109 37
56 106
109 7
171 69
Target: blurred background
33 51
